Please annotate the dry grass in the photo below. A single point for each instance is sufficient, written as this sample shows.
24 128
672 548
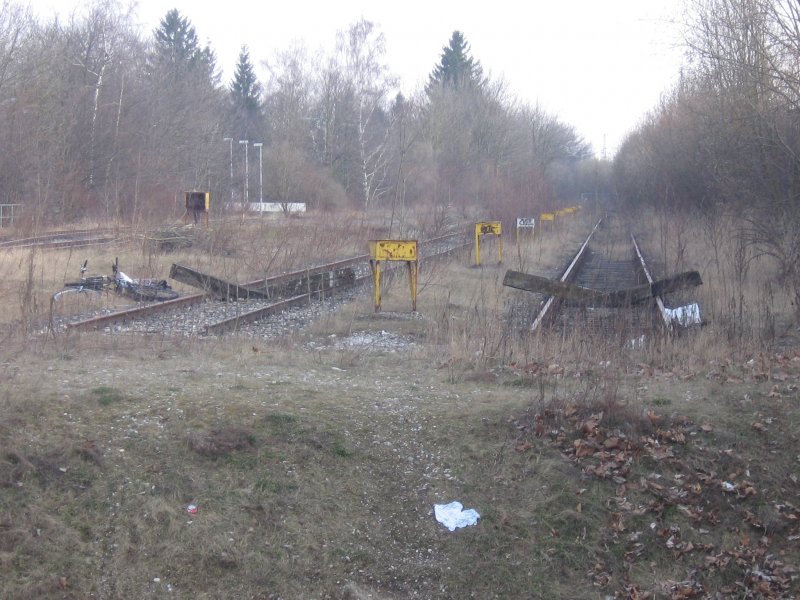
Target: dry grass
233 249
315 462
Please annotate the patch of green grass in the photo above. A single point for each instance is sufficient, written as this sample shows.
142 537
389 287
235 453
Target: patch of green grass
281 421
340 450
106 395
267 484
243 461
661 401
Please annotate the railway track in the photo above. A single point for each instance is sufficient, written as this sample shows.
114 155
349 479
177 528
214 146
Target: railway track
610 259
199 314
63 239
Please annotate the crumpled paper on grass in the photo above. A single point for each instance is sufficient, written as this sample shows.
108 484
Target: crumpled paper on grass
453 516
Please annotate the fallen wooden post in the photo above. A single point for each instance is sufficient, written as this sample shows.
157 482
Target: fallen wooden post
612 299
219 288
322 282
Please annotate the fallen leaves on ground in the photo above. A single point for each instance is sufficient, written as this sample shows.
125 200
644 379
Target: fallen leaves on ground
608 453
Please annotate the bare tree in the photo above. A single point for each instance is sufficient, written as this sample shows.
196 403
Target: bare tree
362 50
727 138
289 98
15 26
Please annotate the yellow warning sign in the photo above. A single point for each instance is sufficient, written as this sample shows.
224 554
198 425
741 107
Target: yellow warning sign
393 249
489 228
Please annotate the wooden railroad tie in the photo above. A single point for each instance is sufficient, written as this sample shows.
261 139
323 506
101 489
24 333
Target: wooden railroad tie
302 283
610 299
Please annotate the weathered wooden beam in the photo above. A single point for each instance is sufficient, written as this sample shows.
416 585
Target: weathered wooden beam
213 285
301 283
612 299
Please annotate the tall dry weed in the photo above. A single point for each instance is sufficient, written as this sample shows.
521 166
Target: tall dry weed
743 305
479 324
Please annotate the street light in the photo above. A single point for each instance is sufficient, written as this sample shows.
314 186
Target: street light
246 175
260 145
230 182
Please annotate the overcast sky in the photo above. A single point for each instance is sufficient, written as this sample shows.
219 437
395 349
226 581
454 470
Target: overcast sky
599 65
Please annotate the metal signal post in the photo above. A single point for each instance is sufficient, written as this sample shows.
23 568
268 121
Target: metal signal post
394 250
488 228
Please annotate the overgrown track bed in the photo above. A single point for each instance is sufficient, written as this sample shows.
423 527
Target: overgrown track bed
607 262
64 239
199 315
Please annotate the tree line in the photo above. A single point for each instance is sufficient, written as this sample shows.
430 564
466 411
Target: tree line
724 144
100 120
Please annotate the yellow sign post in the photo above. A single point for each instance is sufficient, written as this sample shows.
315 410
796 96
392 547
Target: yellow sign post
488 228
394 250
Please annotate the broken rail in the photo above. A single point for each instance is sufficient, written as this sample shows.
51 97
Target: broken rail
556 291
287 289
611 299
340 273
317 280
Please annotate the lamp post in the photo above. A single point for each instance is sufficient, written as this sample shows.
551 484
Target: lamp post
230 182
260 146
246 175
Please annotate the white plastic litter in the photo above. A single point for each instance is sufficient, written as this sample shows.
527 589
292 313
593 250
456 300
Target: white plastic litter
453 515
685 315
637 343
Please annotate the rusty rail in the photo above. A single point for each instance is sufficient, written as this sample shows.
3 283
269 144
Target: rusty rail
233 323
567 276
662 311
63 239
275 284
601 284
130 314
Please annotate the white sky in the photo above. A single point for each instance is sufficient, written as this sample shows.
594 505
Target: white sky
600 65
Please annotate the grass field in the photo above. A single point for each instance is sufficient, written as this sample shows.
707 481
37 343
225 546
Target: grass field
314 461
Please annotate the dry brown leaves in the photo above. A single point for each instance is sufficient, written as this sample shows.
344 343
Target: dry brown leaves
610 454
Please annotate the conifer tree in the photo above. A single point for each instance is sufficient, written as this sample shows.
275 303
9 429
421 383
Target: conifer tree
177 51
245 98
245 88
456 68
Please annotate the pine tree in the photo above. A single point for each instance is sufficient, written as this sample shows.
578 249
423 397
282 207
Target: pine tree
184 100
245 99
177 51
456 68
245 88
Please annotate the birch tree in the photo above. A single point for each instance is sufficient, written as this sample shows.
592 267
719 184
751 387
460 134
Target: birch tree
362 49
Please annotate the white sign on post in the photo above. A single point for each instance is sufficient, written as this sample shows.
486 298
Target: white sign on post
526 222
